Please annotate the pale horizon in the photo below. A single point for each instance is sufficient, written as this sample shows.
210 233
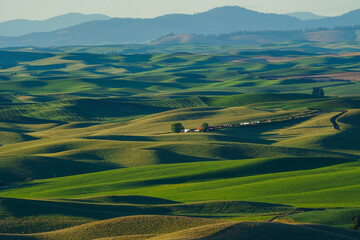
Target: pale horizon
45 9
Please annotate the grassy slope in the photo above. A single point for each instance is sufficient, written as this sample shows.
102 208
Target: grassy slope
161 227
173 73
70 114
302 182
333 217
32 216
110 109
137 225
90 146
256 230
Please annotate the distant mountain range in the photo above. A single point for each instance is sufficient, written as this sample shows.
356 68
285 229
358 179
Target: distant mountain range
304 16
216 21
21 27
265 37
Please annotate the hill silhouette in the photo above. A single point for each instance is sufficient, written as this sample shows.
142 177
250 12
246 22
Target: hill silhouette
305 15
216 21
21 26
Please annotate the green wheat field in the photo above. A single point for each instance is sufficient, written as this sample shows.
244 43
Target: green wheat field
86 150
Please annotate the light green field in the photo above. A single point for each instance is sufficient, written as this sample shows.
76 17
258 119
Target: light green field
277 180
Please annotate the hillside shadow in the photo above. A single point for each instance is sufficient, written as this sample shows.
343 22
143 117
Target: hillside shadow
90 59
120 83
23 119
54 72
239 139
195 66
4 78
245 84
173 60
343 140
10 59
192 78
45 67
91 108
142 206
32 84
117 83
205 93
5 100
136 69
342 61
128 199
26 208
228 207
255 134
273 165
191 75
49 78
133 58
166 156
125 138
37 167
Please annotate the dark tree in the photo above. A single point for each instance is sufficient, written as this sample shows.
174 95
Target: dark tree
177 127
315 91
1 183
356 221
204 127
318 91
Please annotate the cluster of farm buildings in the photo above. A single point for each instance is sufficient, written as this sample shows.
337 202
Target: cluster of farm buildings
238 125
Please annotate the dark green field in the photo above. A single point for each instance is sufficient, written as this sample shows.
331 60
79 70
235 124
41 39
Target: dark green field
86 150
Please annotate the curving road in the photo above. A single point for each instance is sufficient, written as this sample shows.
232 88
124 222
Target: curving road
334 122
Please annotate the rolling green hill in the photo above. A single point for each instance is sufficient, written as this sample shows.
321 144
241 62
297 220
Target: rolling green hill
86 150
266 180
45 147
253 70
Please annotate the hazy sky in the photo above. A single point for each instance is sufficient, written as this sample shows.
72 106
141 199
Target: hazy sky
42 9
